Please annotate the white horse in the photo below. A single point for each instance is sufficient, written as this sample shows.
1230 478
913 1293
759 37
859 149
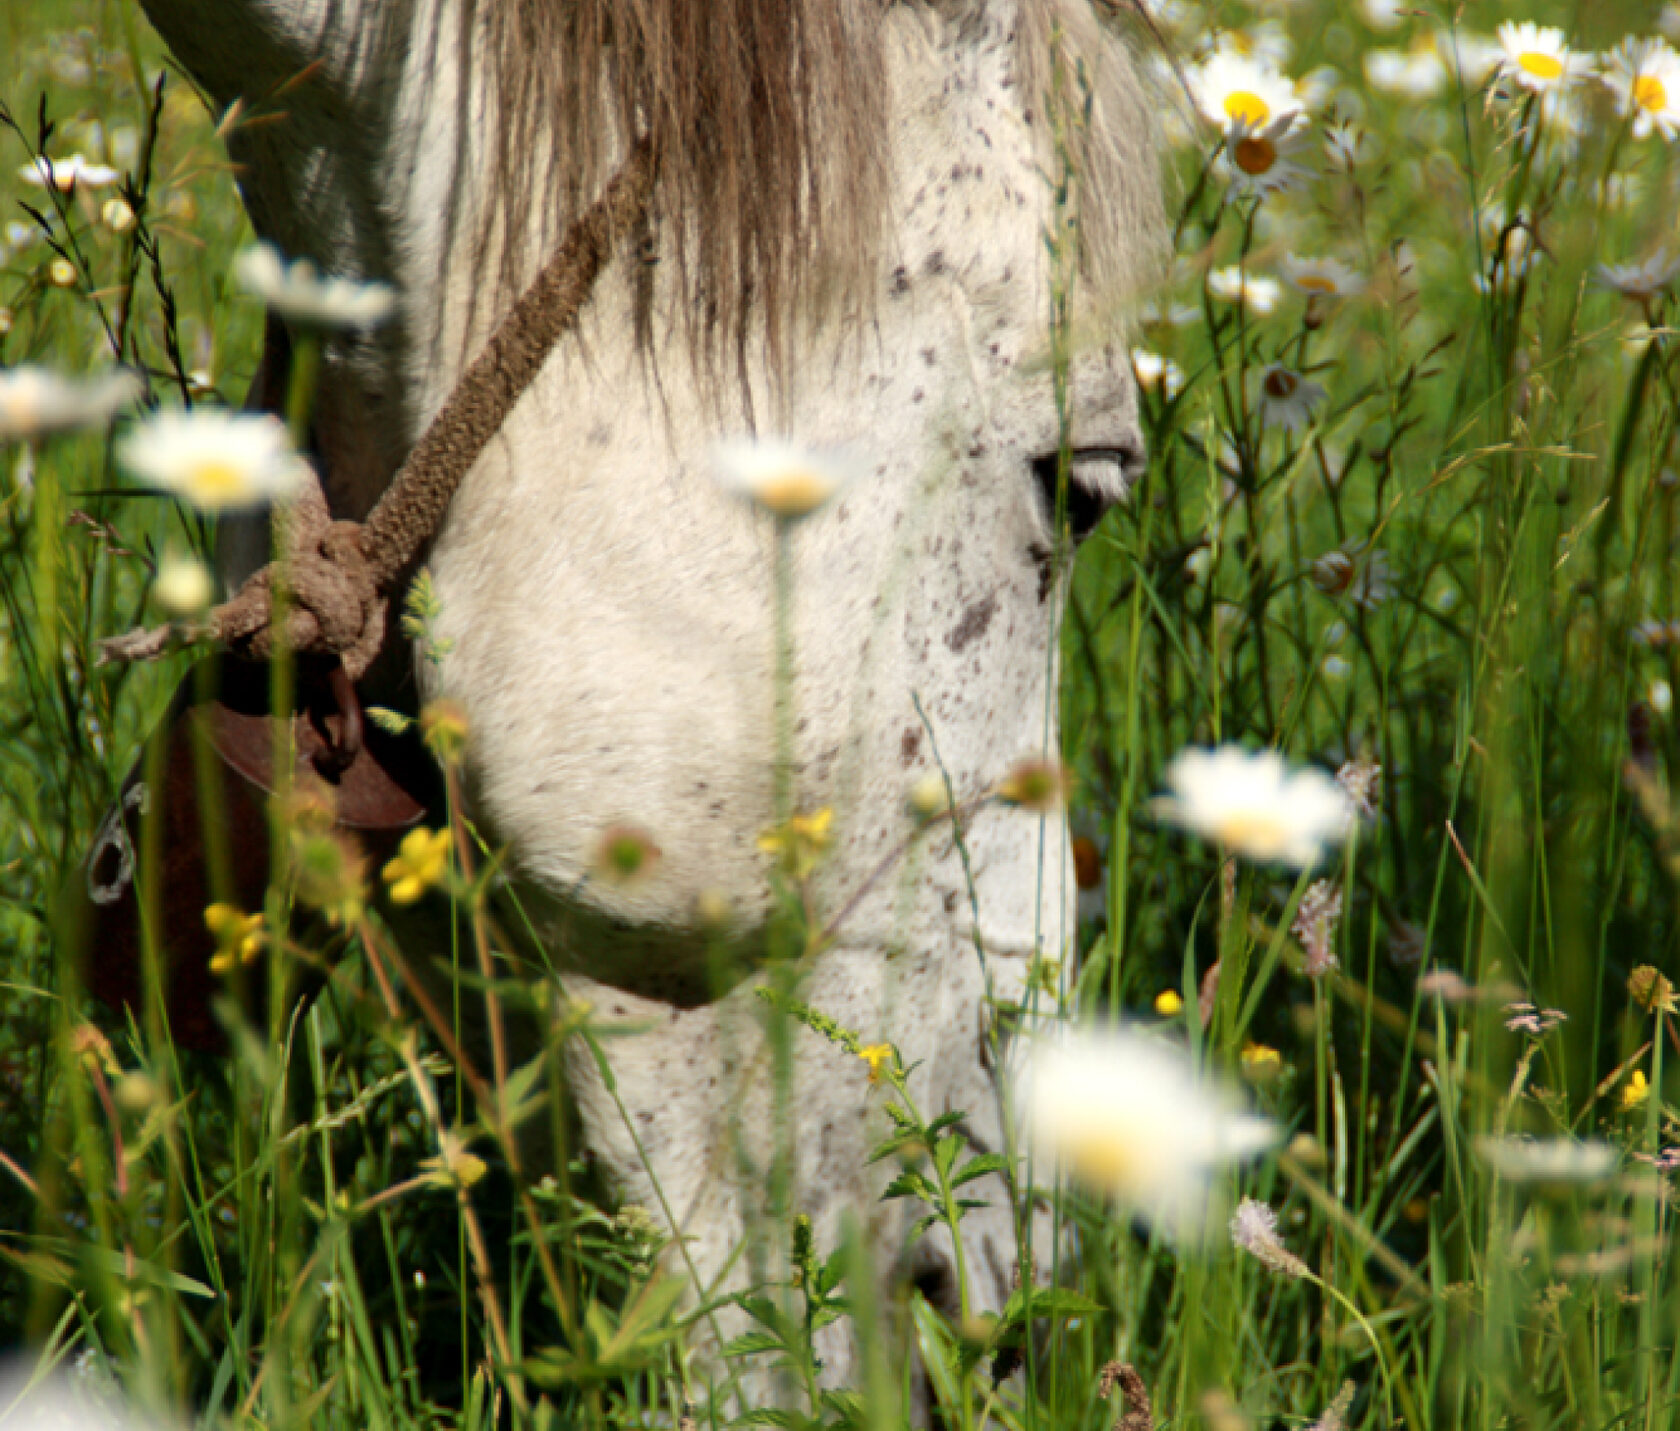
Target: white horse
849 246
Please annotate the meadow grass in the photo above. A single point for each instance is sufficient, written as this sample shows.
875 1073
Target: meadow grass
1454 578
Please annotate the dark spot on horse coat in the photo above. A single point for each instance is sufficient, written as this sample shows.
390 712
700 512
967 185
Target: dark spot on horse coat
976 617
909 746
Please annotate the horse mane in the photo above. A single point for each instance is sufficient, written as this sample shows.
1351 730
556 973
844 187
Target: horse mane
771 124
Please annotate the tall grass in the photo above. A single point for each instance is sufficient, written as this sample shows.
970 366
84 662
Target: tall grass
1459 571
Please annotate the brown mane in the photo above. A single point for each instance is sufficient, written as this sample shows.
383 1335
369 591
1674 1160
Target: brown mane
772 126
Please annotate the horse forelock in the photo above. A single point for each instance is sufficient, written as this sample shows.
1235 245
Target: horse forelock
773 127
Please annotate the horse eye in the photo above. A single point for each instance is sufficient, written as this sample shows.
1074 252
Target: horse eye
1097 476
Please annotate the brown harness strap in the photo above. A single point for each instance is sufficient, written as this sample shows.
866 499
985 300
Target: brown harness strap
339 574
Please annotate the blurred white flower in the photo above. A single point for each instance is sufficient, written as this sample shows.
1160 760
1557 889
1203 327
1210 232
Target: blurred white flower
1660 695
1322 277
183 586
1536 56
1231 89
117 215
1417 73
1644 75
1254 1229
218 461
61 273
1128 1114
36 403
1286 399
296 290
1259 159
1548 1160
1156 373
87 1399
1381 14
780 475
1639 280
1252 803
1470 56
1254 291
66 174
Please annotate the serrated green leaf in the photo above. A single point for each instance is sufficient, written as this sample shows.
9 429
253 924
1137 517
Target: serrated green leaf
753 1343
978 1167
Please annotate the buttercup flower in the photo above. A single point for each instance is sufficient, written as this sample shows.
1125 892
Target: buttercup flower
876 1055
297 290
1642 281
1635 1091
36 403
799 843
238 936
421 863
1321 277
1536 56
218 461
1254 291
787 480
1261 1063
1129 1115
1644 75
65 174
1255 805
1169 1003
1232 89
1286 399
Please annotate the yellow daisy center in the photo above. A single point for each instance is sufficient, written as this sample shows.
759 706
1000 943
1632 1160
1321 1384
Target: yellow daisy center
1257 832
1315 283
1648 93
794 493
1254 155
213 480
1100 1156
1541 65
1245 107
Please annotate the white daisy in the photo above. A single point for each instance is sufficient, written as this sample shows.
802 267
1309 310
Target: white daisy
36 403
1644 75
1380 14
1548 1160
1470 56
785 479
1536 56
1129 1115
296 290
1417 73
1259 159
1157 374
1254 291
1286 399
1321 277
65 174
1252 803
218 461
1639 280
1230 88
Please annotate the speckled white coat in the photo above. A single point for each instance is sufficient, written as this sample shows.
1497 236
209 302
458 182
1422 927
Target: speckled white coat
607 609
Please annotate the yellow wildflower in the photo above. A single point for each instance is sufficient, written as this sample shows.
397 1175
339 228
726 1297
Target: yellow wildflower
421 863
238 936
797 844
454 1166
875 1055
1169 1004
1260 1062
1635 1091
